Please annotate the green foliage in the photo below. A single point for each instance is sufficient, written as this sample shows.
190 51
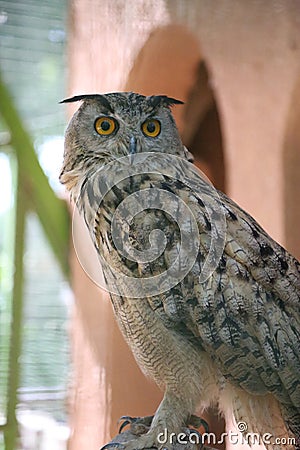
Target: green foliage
52 211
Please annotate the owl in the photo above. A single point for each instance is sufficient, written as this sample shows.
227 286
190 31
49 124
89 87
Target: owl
207 301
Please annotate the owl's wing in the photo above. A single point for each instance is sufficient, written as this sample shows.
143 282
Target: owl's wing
246 313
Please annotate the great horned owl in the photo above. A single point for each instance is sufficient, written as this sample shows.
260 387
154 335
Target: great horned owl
226 333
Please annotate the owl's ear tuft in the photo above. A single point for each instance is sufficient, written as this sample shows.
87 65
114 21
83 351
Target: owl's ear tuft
101 98
158 100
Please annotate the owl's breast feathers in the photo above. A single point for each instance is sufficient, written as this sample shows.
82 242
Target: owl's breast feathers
245 314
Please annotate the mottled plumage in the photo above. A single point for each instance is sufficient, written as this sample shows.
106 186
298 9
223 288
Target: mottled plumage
231 339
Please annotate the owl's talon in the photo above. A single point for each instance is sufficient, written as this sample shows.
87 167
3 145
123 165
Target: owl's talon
113 445
197 422
126 421
125 418
138 425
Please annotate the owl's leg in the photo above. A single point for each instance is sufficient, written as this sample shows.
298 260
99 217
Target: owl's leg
168 427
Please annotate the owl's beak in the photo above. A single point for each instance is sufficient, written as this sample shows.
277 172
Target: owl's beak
132 146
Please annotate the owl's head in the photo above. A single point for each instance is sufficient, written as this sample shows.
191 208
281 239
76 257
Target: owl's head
110 126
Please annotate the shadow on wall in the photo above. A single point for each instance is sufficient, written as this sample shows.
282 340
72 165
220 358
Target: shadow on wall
202 129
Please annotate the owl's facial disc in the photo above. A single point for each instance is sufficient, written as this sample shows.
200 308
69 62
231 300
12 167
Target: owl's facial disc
116 124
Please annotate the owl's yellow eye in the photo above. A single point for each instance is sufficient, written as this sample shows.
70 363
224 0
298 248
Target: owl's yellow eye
151 127
105 125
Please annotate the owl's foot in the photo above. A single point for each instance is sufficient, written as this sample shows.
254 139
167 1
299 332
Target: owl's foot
141 435
167 430
187 439
141 425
